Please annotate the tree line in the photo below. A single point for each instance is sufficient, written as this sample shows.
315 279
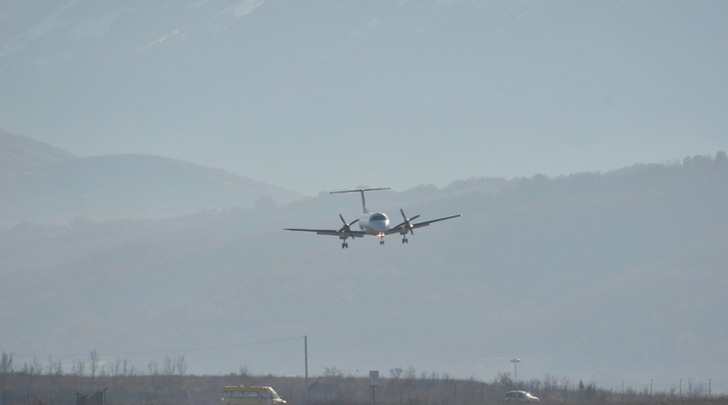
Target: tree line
167 383
93 366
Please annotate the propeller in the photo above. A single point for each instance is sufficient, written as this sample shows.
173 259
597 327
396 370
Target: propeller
407 225
347 226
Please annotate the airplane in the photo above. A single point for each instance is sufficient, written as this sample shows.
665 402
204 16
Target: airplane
372 223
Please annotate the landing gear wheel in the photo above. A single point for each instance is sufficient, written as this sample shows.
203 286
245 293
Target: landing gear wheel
381 242
344 245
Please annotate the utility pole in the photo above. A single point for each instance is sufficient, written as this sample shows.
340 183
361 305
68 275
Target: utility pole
305 365
305 357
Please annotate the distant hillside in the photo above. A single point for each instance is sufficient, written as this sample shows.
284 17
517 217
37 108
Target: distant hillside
617 278
19 154
45 184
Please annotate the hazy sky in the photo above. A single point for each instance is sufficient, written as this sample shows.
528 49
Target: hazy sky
320 95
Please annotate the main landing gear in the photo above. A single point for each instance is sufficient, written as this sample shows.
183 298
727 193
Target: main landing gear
345 231
407 226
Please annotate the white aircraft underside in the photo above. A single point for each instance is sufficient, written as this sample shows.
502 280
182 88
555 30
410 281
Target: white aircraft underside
372 223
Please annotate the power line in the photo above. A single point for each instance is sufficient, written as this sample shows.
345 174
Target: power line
185 350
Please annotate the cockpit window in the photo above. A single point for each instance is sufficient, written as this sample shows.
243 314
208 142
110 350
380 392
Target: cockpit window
378 217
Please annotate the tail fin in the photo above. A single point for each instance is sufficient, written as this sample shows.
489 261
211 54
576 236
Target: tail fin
361 190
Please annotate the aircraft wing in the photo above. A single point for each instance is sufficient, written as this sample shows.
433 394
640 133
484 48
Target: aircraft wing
331 232
403 226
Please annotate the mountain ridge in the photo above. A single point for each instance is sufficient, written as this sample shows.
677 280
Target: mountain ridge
21 153
596 276
46 184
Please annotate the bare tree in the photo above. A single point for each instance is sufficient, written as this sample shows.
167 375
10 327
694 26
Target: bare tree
169 366
94 362
333 372
125 370
181 365
243 372
176 366
395 373
6 365
34 368
54 368
79 368
153 367
115 367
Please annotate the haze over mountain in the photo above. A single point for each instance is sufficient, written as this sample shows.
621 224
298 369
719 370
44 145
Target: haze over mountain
608 277
316 95
41 183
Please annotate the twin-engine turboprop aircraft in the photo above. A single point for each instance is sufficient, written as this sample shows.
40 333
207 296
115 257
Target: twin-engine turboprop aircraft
372 223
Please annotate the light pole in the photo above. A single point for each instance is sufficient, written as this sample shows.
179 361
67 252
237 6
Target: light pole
515 362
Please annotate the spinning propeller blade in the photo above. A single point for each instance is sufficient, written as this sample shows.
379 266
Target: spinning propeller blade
347 226
407 222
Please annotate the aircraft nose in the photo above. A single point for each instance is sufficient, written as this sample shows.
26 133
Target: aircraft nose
379 222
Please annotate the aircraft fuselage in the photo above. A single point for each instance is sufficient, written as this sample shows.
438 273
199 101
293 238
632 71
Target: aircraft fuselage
375 223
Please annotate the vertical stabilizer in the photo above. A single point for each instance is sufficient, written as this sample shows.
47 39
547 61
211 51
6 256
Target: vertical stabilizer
361 191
